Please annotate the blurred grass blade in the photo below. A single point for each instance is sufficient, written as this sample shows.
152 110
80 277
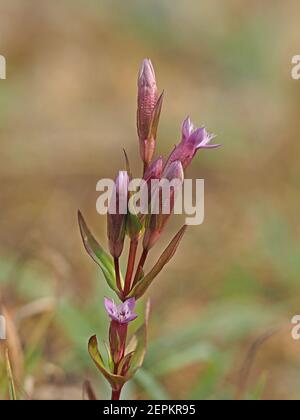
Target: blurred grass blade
225 322
150 385
88 392
201 352
210 377
257 393
10 378
14 346
249 361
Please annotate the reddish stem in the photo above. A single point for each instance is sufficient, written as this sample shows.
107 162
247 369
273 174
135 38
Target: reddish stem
145 168
130 266
140 266
121 331
123 337
115 395
117 271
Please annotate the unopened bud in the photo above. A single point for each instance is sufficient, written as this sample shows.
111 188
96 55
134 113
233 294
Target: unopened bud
149 107
117 214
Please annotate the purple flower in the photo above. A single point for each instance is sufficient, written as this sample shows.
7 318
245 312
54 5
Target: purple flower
122 313
191 141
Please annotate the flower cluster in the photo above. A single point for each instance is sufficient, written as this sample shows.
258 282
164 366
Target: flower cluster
126 356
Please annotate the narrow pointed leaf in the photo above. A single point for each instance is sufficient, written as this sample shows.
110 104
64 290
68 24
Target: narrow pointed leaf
97 253
155 117
115 381
109 356
125 361
143 284
127 164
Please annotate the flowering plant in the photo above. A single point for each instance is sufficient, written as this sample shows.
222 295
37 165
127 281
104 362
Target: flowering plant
126 356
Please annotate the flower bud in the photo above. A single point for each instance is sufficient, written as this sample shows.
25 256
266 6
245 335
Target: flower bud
148 112
154 171
117 214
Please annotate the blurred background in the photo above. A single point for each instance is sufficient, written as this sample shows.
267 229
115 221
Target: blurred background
221 310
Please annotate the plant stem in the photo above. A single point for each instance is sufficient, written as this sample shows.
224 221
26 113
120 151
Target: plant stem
140 266
122 338
130 266
115 395
145 168
117 271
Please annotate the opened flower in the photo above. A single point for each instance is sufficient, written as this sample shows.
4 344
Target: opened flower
191 141
122 313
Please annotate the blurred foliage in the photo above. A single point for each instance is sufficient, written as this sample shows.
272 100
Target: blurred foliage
67 109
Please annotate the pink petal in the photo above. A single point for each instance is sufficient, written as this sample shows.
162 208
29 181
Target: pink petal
130 303
110 307
187 128
131 317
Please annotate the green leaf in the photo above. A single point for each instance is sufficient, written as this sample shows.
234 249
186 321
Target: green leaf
97 253
142 285
133 225
109 356
116 381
